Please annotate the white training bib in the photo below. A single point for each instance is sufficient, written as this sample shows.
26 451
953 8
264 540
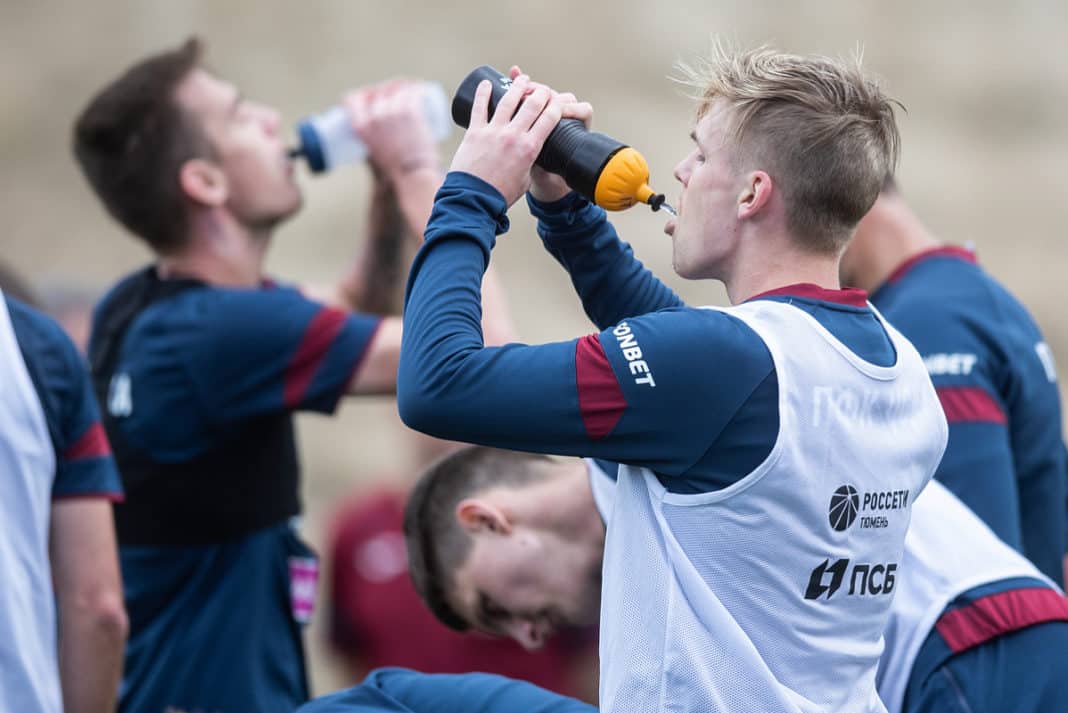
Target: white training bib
772 594
948 550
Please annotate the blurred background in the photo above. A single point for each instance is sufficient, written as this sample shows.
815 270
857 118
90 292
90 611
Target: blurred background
985 153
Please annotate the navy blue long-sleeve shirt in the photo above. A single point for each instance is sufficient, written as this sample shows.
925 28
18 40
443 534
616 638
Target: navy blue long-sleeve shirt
689 393
398 690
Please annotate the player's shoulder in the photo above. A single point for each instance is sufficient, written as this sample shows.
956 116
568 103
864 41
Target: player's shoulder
42 340
945 280
699 326
32 325
688 350
951 299
219 304
213 317
1007 305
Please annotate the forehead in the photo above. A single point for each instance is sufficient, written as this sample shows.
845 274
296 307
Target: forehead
712 128
205 95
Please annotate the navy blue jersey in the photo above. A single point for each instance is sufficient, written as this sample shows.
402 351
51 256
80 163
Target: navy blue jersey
83 463
995 376
52 447
210 358
214 621
616 394
397 690
84 466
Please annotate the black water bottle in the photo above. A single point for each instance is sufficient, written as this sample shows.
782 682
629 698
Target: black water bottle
604 170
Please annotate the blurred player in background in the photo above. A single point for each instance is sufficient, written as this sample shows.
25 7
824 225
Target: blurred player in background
993 371
62 621
376 616
71 304
397 690
201 360
973 627
738 426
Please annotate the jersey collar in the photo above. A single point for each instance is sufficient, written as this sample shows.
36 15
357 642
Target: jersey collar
848 296
952 251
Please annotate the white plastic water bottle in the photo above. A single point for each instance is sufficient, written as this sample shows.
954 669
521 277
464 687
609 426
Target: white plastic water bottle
328 141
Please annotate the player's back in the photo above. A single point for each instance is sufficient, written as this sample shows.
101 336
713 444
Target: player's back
742 589
996 379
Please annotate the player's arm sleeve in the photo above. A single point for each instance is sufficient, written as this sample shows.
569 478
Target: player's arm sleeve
612 284
256 352
1004 455
1034 423
470 692
623 394
84 464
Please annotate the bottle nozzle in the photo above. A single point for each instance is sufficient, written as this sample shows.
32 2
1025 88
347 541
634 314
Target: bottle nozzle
658 201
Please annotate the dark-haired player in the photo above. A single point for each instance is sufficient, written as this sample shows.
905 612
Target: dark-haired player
200 361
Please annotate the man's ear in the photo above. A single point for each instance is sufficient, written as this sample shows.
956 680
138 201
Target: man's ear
203 182
475 515
755 195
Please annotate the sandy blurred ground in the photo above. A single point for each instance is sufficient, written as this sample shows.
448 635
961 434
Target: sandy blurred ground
985 138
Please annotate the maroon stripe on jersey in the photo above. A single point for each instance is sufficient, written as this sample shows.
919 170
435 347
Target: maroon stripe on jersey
970 404
601 401
319 335
1001 613
92 444
848 296
944 251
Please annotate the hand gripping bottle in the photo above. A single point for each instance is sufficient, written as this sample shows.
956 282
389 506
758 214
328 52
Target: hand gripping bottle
328 141
605 171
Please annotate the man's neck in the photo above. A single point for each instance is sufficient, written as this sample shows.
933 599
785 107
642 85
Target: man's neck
893 234
561 504
778 268
220 252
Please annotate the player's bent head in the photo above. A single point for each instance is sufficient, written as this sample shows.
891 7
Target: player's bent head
821 128
438 542
131 141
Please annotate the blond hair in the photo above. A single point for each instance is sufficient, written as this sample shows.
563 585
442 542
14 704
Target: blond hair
822 129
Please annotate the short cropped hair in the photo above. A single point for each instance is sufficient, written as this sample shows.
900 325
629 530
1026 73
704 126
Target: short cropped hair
822 128
131 141
437 544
